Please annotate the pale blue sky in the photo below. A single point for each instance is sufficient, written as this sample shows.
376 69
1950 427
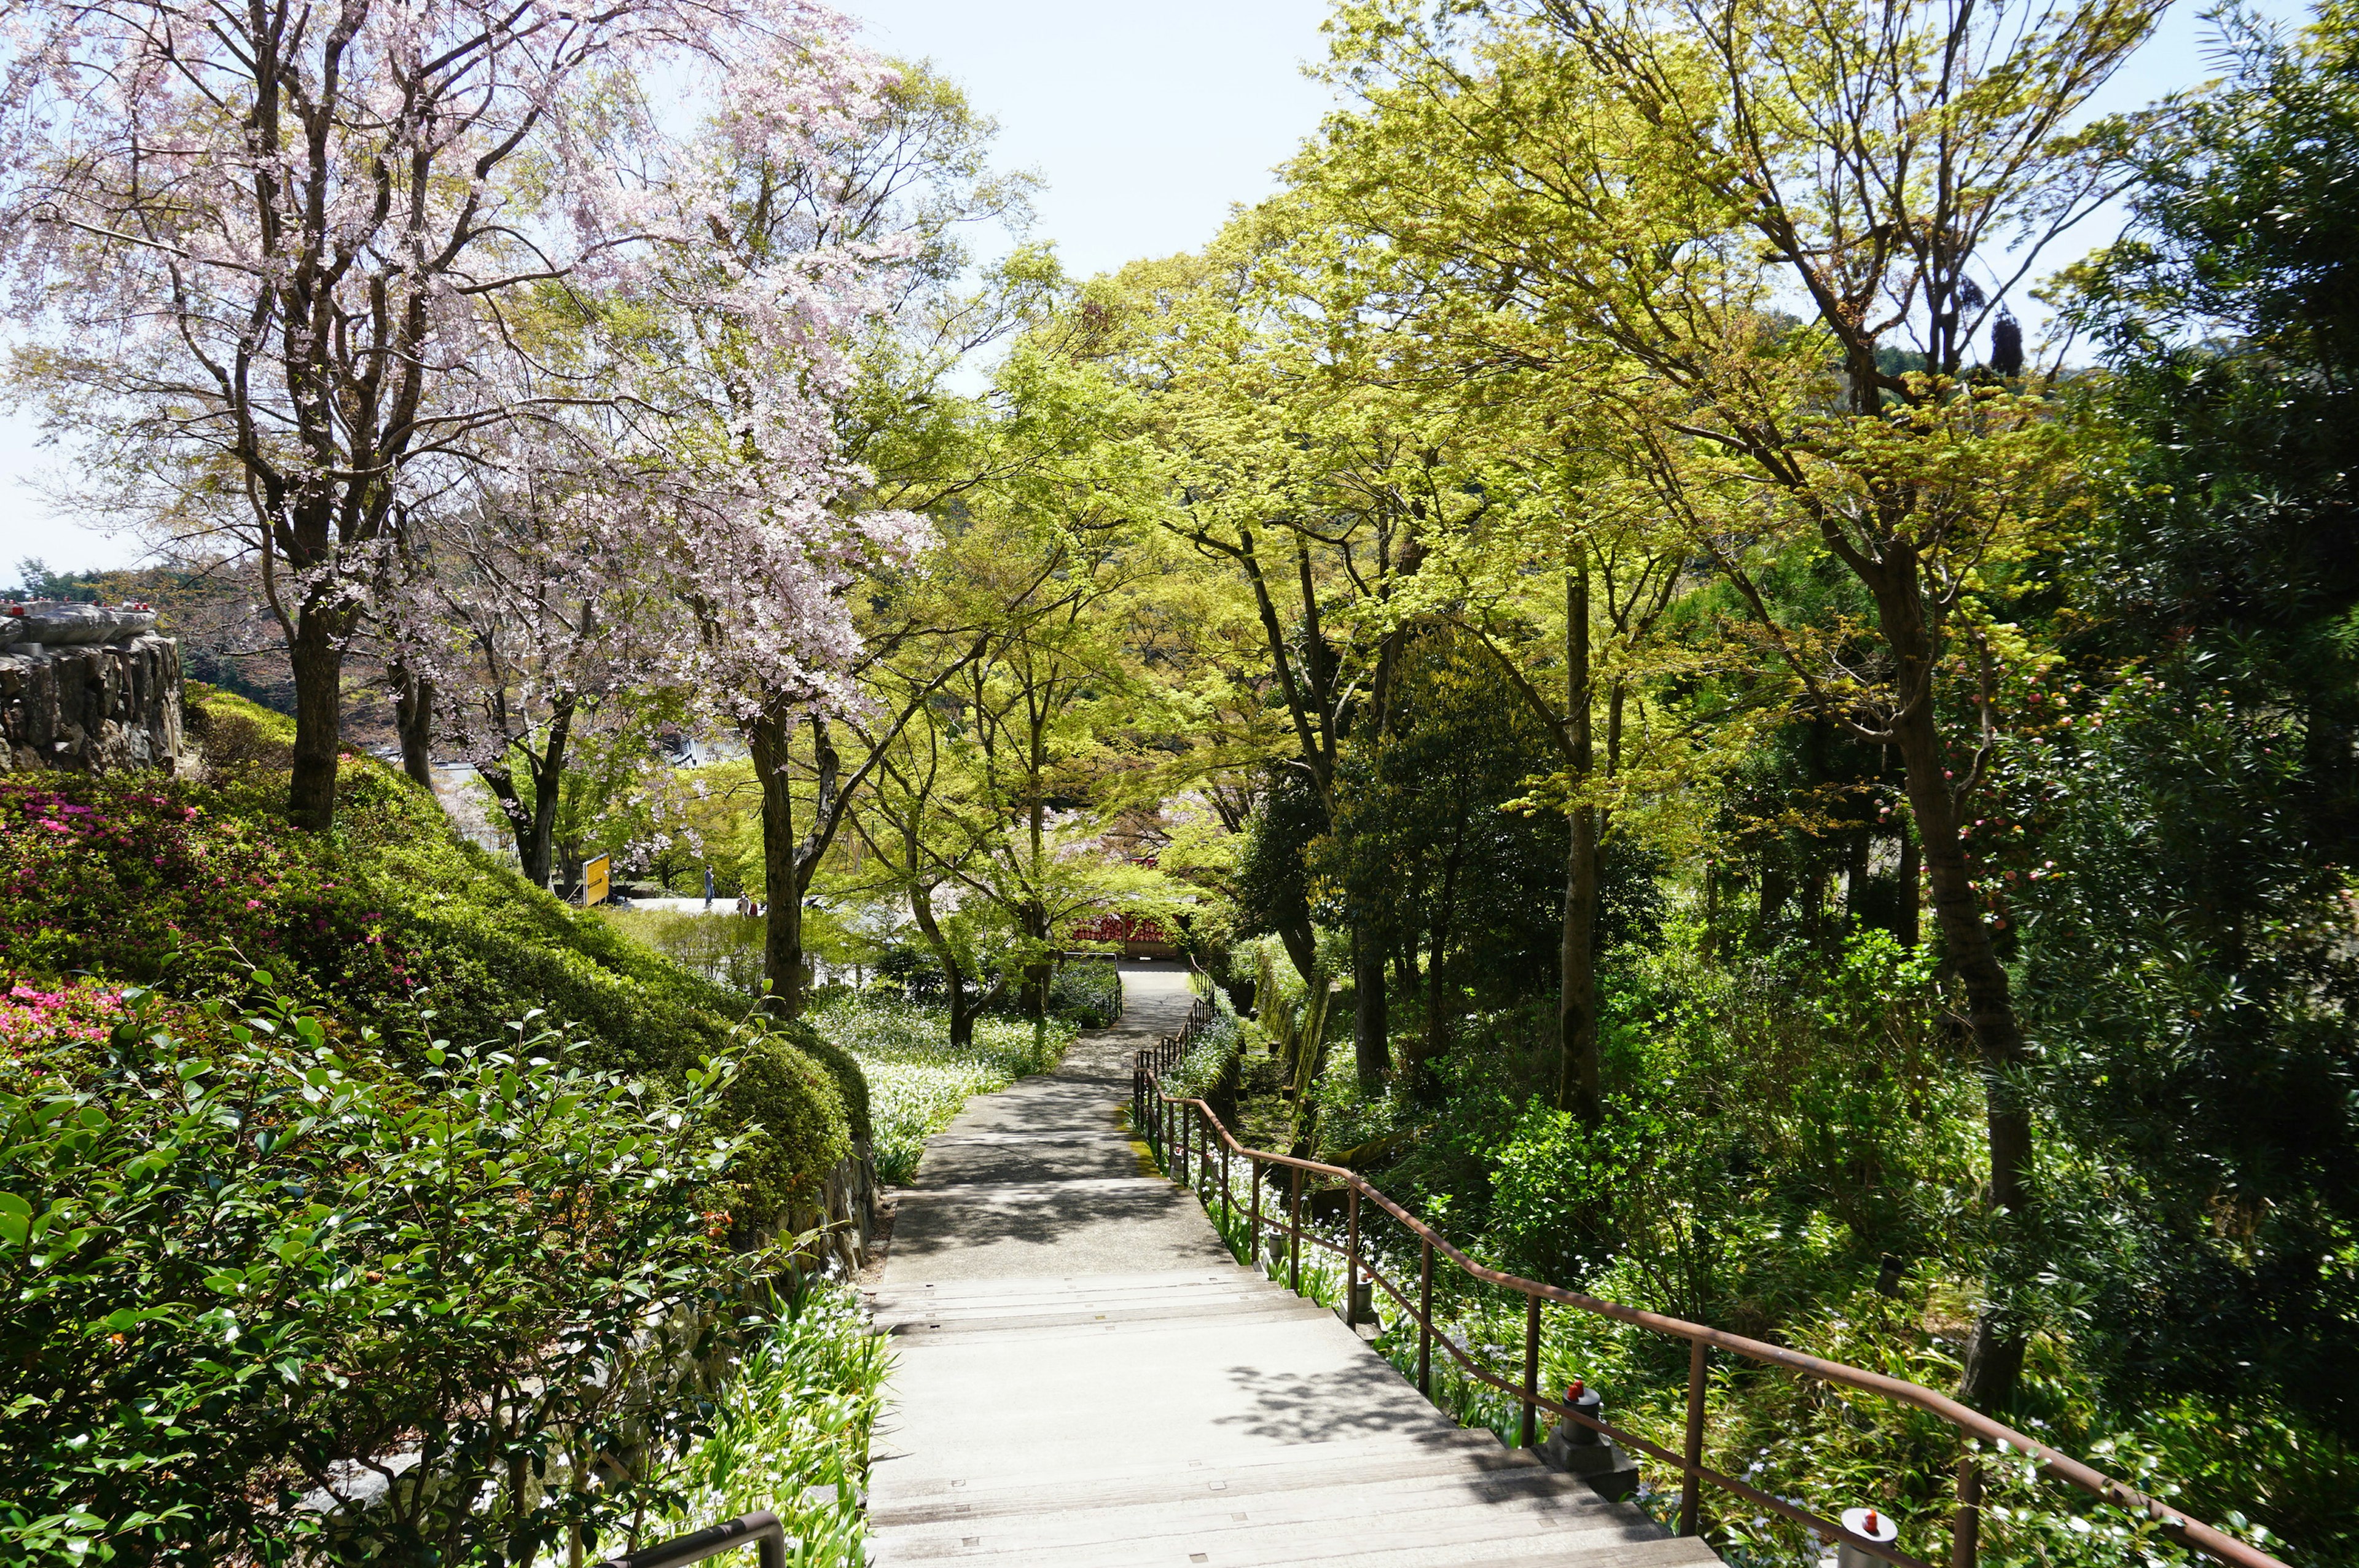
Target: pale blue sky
1147 122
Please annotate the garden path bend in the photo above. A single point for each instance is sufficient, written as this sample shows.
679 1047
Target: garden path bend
1083 1376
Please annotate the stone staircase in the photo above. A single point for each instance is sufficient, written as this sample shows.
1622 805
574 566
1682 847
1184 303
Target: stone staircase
1198 1416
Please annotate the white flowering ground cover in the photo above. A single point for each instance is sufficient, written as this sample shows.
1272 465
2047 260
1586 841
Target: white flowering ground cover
917 1081
790 1433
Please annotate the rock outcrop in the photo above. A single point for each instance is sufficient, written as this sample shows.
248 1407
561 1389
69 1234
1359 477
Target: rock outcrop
91 708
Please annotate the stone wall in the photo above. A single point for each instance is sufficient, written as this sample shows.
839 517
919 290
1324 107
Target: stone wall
92 709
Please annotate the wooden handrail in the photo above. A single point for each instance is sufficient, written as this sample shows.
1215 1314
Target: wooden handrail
1147 1093
762 1531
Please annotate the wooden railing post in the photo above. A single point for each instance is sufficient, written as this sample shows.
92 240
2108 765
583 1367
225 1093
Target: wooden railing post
1425 1320
1228 1201
1252 1177
1966 1525
1690 1484
1531 1372
1352 1261
1294 1234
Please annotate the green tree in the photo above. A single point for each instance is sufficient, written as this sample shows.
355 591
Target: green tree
1648 185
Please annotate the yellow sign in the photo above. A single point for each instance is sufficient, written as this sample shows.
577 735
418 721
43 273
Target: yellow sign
594 882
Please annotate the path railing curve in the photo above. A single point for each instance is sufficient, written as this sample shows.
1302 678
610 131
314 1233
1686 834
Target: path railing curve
1182 1130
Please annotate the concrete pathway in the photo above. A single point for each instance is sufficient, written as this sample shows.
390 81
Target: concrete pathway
1083 1376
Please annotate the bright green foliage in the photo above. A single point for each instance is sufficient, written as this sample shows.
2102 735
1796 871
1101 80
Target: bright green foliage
842 1067
794 1123
242 1257
392 922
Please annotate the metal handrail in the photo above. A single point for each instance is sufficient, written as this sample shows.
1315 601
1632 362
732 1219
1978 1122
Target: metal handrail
761 1532
1152 1108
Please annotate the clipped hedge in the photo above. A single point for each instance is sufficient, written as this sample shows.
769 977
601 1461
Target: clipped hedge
791 1116
391 922
850 1081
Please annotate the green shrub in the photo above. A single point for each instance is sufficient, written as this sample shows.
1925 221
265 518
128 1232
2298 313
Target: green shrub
851 1082
243 1264
389 919
1088 993
234 736
794 1124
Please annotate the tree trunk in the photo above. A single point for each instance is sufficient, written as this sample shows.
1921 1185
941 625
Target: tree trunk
1856 897
1301 946
501 783
1041 971
548 771
413 719
318 663
1436 1039
1579 1088
1906 920
963 1008
1994 1357
1776 888
769 741
1371 1025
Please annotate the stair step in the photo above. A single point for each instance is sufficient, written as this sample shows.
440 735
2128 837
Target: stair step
1352 1485
1680 1552
1120 1474
1190 1296
1505 1528
1048 1330
1048 1286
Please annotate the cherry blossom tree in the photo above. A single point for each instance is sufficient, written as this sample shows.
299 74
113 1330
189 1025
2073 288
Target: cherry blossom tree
291 264
526 632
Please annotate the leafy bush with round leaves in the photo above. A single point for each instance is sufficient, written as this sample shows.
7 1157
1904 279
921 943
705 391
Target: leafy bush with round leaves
244 1265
